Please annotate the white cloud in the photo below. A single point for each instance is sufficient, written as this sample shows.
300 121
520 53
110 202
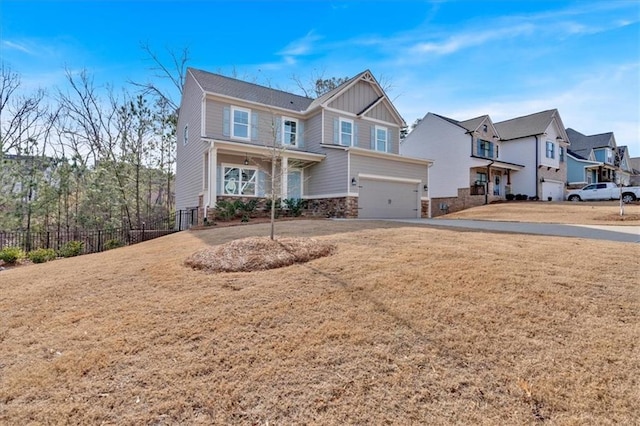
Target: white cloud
16 46
303 46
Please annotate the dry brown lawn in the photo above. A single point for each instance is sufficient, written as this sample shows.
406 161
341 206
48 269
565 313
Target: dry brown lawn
401 325
586 213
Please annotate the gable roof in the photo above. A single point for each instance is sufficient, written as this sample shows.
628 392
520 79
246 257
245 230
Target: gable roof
527 125
473 123
238 89
583 144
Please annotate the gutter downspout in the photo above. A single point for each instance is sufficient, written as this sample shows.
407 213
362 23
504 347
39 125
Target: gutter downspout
537 163
429 192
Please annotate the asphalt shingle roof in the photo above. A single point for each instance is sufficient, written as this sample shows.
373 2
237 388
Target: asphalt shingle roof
528 125
227 86
583 144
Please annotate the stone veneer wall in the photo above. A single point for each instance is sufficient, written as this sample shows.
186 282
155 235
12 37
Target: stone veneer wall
342 207
463 201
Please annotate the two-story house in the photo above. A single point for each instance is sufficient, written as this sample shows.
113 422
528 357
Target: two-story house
339 151
593 158
539 142
469 167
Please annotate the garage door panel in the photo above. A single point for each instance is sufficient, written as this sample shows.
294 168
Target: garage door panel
555 190
380 199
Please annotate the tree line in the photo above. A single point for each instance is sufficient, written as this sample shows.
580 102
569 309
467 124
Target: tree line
87 157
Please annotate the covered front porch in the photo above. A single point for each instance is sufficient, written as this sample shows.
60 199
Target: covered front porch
236 170
492 179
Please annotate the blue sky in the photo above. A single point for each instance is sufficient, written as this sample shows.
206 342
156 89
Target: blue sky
461 59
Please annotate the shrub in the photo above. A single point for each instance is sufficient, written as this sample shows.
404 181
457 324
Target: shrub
42 255
11 255
70 249
278 205
226 210
295 206
114 243
510 197
521 197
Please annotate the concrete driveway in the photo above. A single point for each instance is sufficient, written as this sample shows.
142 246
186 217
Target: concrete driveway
625 234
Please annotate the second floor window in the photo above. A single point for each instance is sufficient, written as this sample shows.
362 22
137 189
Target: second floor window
485 148
346 132
240 123
551 148
289 131
382 138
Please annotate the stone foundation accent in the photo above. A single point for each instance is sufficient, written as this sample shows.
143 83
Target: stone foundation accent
342 207
463 201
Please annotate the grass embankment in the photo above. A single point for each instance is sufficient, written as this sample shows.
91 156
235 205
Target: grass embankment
401 325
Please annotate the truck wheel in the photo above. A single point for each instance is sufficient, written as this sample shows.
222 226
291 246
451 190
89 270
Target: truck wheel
574 198
628 197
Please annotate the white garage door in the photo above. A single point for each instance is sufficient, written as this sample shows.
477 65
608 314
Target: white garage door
383 199
555 190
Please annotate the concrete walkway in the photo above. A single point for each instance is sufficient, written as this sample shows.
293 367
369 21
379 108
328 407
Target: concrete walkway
626 234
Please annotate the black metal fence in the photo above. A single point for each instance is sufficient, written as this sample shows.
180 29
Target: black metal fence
94 241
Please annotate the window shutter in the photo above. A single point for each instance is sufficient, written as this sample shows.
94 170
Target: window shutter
254 126
262 183
491 150
355 135
300 135
479 148
226 119
373 137
389 142
278 131
336 131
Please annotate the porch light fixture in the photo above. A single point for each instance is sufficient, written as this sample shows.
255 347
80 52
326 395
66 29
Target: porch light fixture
354 182
246 160
425 187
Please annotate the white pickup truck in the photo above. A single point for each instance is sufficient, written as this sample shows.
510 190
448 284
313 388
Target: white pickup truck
604 191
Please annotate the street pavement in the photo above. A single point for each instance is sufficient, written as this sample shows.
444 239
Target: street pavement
626 234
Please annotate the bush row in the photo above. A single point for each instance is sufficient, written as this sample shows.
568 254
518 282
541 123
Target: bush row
11 255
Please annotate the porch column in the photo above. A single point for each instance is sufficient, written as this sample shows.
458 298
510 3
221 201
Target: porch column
284 177
213 177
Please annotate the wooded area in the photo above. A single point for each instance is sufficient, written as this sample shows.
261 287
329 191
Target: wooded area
84 156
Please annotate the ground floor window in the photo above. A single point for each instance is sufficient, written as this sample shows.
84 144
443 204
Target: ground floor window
240 181
294 184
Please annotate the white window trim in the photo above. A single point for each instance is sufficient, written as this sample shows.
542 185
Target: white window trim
232 123
240 167
553 150
386 140
346 120
295 120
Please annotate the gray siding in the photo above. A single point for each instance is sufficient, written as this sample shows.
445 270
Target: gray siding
364 131
329 176
381 112
313 134
356 99
189 166
387 167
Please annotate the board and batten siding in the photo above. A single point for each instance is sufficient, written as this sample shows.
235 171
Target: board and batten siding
328 177
383 167
356 99
381 112
189 156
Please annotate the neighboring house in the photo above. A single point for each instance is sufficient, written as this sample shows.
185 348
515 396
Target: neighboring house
635 171
539 142
597 149
623 162
339 151
469 168
581 171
